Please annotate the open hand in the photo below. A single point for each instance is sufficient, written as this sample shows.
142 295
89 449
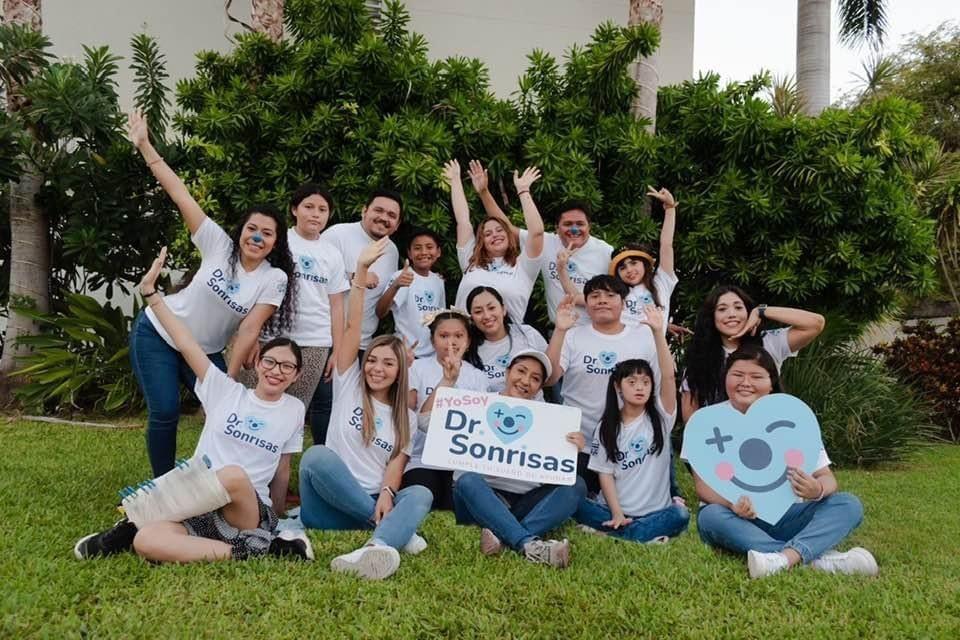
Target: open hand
451 172
478 176
653 318
566 314
523 182
618 520
137 130
804 484
149 281
370 254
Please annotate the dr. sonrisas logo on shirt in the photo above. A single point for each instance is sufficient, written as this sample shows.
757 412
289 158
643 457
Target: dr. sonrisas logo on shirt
638 451
240 429
501 436
356 421
574 274
426 302
225 290
602 364
308 270
503 360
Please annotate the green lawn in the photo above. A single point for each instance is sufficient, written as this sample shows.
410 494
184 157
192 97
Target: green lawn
59 482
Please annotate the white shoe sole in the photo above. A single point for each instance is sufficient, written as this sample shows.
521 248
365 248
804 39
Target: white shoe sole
76 548
376 563
293 534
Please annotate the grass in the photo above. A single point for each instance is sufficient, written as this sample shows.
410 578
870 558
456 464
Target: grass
58 483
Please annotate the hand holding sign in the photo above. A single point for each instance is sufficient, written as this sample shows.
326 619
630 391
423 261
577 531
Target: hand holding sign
748 458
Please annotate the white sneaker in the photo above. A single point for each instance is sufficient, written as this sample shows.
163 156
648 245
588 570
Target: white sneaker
555 553
856 561
416 544
762 564
374 562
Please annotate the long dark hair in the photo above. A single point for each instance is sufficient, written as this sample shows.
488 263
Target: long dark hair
755 353
706 357
611 420
279 257
476 336
470 355
649 270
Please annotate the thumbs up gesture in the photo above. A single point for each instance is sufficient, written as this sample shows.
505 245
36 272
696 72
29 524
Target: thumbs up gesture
405 279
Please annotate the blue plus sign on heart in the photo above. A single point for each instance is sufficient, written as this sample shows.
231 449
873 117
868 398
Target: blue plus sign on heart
509 423
748 454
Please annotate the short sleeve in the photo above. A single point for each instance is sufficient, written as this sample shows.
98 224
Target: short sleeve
599 461
295 443
274 288
347 383
464 253
665 283
338 275
529 266
534 338
777 344
215 385
669 419
412 418
210 239
823 460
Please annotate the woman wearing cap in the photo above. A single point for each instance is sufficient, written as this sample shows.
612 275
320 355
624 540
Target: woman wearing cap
515 513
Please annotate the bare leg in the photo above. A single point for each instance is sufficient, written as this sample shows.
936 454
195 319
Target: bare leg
243 512
169 542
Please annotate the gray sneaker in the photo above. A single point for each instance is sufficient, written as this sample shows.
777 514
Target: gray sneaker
555 553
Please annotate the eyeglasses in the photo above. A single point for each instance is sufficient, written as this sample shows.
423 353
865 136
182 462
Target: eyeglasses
285 367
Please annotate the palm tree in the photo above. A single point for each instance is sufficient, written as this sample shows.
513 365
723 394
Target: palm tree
646 71
861 21
29 231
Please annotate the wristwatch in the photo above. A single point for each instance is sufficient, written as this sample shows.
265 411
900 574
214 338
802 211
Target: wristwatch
762 311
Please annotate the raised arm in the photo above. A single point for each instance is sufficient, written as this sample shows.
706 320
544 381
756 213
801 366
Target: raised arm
669 227
248 333
178 332
350 344
531 216
458 200
336 332
804 325
481 184
566 318
192 214
668 380
570 289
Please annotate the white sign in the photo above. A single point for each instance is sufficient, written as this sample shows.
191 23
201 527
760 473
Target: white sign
500 436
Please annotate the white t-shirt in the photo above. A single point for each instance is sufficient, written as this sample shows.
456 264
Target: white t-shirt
515 283
592 259
345 436
775 342
350 239
587 359
244 430
425 373
496 355
642 478
318 266
639 296
215 302
424 295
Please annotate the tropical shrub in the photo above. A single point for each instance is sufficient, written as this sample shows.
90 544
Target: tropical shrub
928 360
80 361
867 415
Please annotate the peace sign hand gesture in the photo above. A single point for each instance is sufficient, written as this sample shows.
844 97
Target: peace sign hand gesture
663 196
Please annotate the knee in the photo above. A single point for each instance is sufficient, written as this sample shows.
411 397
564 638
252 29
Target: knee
147 544
420 496
849 505
469 482
709 519
681 513
234 478
580 489
316 457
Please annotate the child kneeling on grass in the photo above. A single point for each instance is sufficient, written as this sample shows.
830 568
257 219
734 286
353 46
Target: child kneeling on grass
193 514
808 531
631 453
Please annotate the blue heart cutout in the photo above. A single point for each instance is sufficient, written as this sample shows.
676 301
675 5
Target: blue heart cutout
608 358
509 423
254 423
740 454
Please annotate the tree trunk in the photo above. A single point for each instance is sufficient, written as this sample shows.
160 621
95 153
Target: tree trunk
29 231
813 54
267 17
646 71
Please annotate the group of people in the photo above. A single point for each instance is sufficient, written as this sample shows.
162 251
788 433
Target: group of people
302 306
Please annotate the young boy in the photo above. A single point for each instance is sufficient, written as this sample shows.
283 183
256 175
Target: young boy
414 291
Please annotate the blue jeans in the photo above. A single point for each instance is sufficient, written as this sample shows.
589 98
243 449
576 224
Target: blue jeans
671 521
331 498
514 519
160 369
809 528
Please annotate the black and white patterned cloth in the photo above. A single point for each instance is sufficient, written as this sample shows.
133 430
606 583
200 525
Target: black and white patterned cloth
245 542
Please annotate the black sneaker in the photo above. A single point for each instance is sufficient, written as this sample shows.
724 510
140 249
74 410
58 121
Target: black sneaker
291 544
116 539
